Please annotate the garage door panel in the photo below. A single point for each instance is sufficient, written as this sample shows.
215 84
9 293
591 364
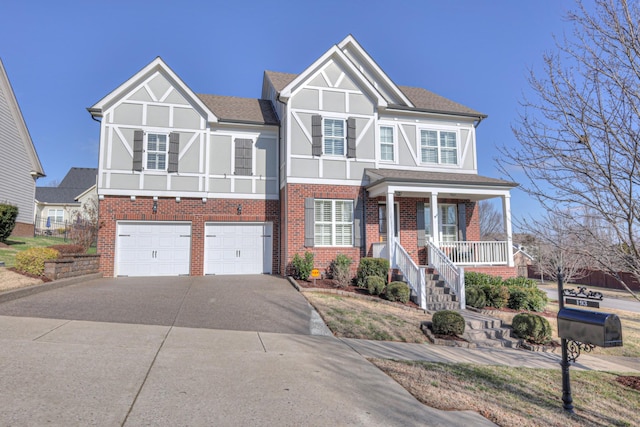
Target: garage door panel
153 248
237 248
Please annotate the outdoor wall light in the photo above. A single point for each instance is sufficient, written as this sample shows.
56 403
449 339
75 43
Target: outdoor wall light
177 199
155 198
133 198
239 209
204 200
155 206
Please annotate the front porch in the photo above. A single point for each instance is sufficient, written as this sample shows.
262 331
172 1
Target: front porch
433 223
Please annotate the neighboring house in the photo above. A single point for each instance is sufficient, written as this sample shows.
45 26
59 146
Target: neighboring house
522 260
57 206
332 160
19 163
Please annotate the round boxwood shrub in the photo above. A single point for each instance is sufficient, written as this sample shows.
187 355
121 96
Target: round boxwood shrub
398 291
32 260
375 284
531 327
371 267
474 296
447 322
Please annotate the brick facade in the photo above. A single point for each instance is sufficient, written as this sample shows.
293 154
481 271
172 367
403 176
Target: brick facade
23 229
294 196
195 211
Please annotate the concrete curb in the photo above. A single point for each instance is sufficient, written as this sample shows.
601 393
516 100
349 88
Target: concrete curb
14 294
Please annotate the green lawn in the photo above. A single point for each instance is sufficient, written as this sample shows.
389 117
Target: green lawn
18 244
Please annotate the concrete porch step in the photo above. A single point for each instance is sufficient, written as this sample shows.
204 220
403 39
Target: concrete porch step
487 331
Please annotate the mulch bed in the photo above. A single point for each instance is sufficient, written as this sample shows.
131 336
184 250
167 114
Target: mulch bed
628 381
330 284
33 276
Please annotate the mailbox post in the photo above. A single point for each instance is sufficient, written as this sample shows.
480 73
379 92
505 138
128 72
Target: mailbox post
582 330
567 400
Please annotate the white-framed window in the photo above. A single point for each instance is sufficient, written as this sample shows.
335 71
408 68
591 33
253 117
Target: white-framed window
157 149
334 137
439 147
333 222
387 144
448 218
55 215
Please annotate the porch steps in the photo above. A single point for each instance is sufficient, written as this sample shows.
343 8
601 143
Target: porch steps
486 331
438 295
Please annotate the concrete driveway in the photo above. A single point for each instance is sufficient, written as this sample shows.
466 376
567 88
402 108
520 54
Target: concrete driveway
192 351
242 303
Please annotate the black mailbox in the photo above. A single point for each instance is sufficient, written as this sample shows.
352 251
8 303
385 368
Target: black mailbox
590 327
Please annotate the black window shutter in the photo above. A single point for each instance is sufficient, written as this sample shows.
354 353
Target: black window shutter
309 222
174 151
316 135
138 146
462 221
358 223
351 138
420 224
243 155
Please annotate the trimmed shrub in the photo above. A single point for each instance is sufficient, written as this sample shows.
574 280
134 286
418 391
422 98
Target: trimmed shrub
474 296
32 260
69 249
8 215
398 291
532 299
497 295
371 267
341 270
302 266
472 278
531 327
447 322
518 298
375 284
521 282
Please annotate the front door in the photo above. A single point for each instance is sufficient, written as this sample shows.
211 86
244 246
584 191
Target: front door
382 221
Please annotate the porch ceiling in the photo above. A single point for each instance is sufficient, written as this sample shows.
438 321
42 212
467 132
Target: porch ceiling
408 183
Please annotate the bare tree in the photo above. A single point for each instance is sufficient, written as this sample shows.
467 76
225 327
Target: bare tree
558 245
491 224
579 134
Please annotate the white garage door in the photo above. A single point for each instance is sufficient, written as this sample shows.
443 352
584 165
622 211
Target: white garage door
153 248
238 248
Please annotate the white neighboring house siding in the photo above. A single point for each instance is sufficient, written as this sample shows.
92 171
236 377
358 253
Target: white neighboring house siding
206 160
19 163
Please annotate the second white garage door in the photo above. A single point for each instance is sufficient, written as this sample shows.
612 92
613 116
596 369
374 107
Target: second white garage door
238 248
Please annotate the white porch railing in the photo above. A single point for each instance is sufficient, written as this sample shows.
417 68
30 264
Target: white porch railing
476 253
450 273
412 273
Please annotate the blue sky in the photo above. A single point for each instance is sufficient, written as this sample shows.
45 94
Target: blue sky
63 56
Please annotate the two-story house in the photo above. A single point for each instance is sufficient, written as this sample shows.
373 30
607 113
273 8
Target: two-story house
333 160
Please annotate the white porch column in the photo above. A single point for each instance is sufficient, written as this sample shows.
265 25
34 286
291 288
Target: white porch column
506 214
391 236
435 226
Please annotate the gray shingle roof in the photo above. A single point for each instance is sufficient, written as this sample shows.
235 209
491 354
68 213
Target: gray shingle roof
75 182
280 80
399 175
235 109
422 99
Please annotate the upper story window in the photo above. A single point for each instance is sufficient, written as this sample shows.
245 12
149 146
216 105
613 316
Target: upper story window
334 137
387 144
157 149
439 147
333 223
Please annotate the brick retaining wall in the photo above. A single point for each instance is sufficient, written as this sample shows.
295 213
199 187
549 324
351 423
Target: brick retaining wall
71 266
